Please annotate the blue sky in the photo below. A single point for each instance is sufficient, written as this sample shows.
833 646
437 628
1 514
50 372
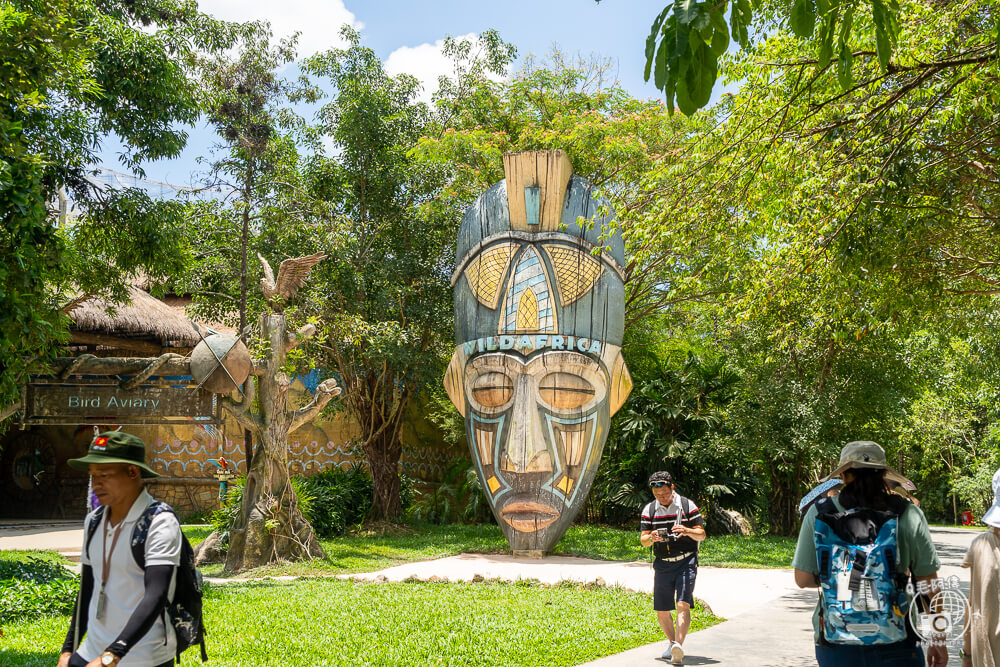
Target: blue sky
407 35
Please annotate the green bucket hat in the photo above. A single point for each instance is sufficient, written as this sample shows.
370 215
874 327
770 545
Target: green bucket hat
115 447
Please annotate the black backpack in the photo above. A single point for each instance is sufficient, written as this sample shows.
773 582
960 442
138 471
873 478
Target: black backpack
185 609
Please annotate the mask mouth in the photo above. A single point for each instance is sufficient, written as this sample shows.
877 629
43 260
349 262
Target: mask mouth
528 517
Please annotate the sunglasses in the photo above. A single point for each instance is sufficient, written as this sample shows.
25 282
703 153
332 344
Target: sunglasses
658 485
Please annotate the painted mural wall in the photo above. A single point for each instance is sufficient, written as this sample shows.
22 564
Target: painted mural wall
35 481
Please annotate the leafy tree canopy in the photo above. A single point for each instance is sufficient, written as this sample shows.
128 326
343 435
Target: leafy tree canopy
71 73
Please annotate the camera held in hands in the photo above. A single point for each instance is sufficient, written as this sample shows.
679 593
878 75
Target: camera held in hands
667 533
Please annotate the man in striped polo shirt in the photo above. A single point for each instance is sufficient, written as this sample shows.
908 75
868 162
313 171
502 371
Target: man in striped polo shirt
673 526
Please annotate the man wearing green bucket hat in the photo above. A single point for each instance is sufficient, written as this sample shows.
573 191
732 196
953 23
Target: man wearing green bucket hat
121 602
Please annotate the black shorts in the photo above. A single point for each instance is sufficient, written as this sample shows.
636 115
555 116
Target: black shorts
674 580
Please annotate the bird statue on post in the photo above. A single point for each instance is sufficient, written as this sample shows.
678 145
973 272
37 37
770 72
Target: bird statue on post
292 274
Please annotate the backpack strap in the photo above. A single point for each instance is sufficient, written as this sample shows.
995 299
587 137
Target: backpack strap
898 504
92 527
826 506
138 542
685 510
141 530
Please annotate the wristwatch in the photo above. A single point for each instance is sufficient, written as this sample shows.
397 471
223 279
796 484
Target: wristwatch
109 658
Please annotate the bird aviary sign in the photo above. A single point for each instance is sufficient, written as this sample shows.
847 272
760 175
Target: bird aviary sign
539 317
103 403
157 391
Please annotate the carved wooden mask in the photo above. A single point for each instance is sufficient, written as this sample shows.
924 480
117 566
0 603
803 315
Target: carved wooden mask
539 317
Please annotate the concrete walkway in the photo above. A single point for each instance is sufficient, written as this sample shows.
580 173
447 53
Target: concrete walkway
729 592
66 537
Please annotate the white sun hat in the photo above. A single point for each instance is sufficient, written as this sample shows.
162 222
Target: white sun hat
867 454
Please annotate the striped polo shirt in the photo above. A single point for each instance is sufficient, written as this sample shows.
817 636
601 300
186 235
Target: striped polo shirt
655 516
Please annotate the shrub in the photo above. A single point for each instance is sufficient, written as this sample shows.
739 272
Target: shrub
223 518
199 517
458 497
35 587
338 498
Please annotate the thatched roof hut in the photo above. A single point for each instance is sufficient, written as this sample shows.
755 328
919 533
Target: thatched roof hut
145 325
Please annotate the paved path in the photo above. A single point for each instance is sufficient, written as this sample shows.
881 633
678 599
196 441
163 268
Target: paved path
779 632
728 592
66 537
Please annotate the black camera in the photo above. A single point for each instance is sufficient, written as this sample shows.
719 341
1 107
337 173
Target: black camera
666 533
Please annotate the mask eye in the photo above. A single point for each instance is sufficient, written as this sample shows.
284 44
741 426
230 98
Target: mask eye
493 389
565 391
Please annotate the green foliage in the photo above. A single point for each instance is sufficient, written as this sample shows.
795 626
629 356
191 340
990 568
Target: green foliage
383 297
688 38
197 534
304 498
267 213
459 496
947 437
199 517
72 72
340 499
224 518
32 586
836 228
975 489
669 423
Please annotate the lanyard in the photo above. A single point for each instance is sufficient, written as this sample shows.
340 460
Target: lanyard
106 555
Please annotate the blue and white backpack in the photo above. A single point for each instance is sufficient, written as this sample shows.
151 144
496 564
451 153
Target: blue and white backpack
863 588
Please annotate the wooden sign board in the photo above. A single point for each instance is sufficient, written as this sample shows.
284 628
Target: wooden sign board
110 404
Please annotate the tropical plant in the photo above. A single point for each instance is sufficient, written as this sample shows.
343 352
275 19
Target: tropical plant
459 496
31 587
670 422
341 499
383 296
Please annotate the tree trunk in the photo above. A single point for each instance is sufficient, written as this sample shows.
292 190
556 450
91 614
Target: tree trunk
783 502
270 526
383 453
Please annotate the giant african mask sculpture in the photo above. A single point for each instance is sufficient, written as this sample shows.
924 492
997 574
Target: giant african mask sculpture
539 317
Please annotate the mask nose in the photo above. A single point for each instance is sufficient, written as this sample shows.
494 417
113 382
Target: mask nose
525 449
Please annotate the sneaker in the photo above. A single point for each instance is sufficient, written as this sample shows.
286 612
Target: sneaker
668 654
676 654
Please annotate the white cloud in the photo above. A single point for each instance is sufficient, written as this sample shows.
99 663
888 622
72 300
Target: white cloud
425 61
318 21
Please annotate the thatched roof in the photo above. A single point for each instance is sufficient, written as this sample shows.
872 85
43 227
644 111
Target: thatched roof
144 317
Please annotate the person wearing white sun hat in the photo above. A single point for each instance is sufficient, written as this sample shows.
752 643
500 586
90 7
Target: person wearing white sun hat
982 633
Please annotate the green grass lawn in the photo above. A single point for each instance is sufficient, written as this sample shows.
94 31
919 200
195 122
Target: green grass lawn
314 622
975 526
26 555
366 552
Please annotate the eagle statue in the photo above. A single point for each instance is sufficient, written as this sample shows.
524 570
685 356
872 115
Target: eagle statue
292 274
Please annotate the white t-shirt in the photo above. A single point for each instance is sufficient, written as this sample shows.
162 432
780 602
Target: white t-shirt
126 585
